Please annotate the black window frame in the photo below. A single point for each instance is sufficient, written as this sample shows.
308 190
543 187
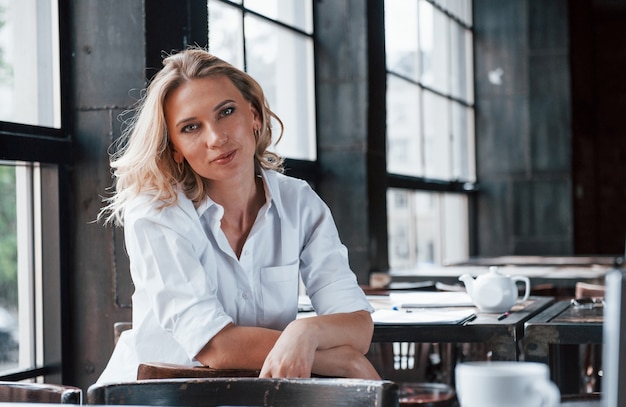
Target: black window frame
52 149
413 183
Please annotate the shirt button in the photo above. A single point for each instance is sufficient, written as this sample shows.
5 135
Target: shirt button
245 295
246 252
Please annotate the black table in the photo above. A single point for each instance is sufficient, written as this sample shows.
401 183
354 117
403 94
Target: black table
502 337
555 335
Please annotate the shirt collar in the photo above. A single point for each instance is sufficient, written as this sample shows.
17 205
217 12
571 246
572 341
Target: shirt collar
272 195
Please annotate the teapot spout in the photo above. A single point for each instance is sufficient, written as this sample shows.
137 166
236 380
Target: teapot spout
468 280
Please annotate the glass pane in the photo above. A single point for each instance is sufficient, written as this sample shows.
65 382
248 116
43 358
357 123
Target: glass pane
467 17
413 228
462 143
458 58
437 145
9 320
282 62
298 14
433 43
469 66
426 228
404 149
402 253
226 33
455 226
401 38
29 63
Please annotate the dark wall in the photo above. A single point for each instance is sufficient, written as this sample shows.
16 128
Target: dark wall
599 130
108 61
550 139
523 127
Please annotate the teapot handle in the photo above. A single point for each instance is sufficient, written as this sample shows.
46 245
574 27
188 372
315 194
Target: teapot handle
526 282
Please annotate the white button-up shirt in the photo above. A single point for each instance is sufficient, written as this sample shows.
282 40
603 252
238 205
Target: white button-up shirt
189 284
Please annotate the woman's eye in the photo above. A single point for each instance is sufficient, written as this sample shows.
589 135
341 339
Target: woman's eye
228 111
189 128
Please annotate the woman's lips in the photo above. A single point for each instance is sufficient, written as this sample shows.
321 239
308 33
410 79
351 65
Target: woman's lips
224 158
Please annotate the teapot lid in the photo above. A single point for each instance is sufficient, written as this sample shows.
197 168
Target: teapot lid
494 272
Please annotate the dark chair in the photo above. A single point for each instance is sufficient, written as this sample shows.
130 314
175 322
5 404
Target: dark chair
247 391
592 353
22 392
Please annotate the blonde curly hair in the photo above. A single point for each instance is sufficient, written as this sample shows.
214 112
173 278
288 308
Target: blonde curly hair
143 159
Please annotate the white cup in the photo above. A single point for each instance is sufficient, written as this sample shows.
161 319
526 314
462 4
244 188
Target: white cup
505 384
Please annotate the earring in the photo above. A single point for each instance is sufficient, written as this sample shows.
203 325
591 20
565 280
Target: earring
181 166
257 134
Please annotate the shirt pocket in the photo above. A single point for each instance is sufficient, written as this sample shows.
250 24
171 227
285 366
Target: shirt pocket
279 290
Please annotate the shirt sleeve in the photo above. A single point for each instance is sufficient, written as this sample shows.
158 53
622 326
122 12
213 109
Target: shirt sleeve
171 281
324 265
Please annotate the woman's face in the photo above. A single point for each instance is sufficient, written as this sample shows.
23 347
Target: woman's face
211 125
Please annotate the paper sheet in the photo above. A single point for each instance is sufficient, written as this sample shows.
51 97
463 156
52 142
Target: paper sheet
424 316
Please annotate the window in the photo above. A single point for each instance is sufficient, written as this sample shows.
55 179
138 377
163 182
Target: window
33 145
430 130
29 63
273 41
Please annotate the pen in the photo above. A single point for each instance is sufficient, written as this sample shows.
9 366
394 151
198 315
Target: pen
501 317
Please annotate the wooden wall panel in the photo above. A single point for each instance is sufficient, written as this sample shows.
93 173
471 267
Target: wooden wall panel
523 129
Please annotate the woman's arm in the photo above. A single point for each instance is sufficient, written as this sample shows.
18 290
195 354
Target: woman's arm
344 361
238 347
330 345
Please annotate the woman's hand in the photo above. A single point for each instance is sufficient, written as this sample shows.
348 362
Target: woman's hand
293 353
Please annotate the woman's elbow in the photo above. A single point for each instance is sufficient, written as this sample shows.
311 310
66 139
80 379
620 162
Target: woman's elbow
367 324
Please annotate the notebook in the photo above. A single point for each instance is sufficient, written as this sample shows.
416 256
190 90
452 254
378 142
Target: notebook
425 299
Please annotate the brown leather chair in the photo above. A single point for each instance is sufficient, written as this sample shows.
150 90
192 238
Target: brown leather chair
157 370
588 290
247 391
22 392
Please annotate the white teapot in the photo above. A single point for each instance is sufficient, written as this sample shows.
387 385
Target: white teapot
495 292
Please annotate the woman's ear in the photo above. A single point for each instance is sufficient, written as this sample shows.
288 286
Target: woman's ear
256 118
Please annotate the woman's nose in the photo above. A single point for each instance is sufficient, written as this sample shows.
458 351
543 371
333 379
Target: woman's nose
216 139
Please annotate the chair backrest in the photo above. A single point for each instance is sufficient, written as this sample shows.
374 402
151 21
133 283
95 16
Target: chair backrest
158 370
588 290
120 327
39 393
247 391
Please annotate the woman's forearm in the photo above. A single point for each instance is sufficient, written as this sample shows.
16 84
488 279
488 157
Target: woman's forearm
344 361
236 347
345 329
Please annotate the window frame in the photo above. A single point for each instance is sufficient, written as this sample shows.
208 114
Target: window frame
419 183
50 150
297 167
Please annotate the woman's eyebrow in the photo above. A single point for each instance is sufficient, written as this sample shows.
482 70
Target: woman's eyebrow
183 121
220 105
215 109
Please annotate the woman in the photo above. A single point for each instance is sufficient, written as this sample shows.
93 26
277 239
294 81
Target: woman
218 237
